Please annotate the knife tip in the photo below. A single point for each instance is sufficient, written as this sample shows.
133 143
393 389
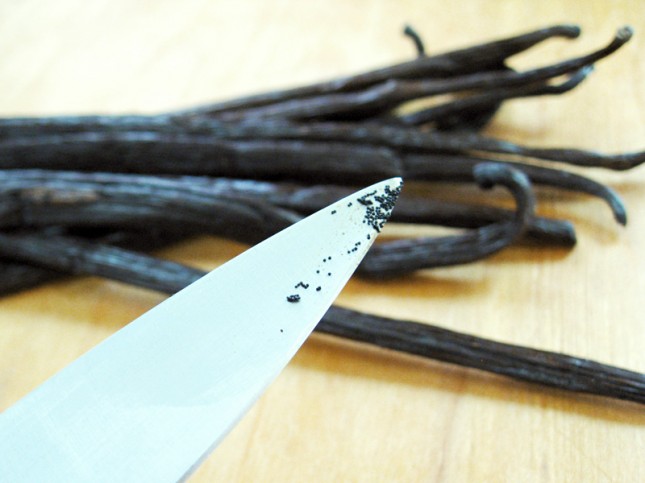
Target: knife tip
379 201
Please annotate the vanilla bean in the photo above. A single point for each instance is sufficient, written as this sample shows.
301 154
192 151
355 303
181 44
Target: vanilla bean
392 92
403 256
406 139
44 199
540 367
125 142
551 369
34 198
323 151
18 127
472 59
466 60
385 259
76 256
16 277
453 113
460 169
157 144
149 152
309 151
416 38
409 208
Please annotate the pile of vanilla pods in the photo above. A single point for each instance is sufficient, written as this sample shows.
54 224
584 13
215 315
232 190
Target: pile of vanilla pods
92 194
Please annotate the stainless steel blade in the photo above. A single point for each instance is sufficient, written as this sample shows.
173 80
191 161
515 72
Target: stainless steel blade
151 401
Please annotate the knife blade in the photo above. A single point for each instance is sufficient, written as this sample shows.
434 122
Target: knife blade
151 401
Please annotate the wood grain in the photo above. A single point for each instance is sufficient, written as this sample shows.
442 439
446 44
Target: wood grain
343 412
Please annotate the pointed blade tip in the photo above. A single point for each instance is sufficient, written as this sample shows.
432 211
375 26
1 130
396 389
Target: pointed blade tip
379 201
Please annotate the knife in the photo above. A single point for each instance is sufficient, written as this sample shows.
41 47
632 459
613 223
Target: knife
150 402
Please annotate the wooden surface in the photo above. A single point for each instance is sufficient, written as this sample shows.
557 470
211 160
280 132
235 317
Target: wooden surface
344 412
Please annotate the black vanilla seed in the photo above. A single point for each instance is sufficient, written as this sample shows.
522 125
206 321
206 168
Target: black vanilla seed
379 206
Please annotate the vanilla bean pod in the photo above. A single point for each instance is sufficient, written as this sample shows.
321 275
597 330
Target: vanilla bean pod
202 146
18 127
300 152
408 139
472 59
392 92
453 113
402 256
460 169
384 260
535 366
112 144
489 56
416 39
34 198
148 152
329 152
552 369
409 208
77 256
124 141
39 199
471 142
404 139
329 162
16 277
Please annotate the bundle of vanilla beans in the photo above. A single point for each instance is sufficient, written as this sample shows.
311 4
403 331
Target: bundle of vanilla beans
93 194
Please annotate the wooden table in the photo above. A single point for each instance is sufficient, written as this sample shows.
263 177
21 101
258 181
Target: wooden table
340 411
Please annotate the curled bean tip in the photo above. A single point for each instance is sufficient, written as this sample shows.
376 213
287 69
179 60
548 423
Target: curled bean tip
625 33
